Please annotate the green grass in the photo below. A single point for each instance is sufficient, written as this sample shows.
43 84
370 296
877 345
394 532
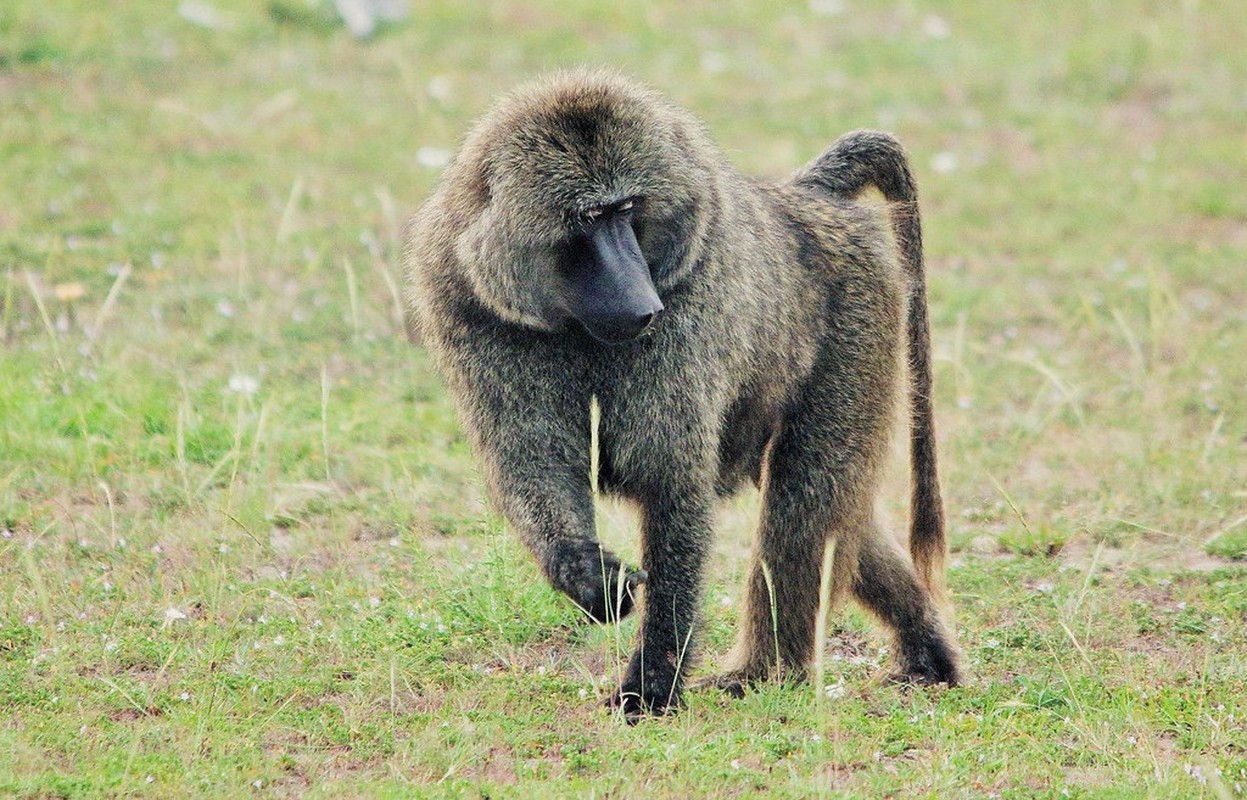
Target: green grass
244 545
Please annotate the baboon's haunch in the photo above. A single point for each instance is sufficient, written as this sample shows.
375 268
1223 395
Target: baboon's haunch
590 241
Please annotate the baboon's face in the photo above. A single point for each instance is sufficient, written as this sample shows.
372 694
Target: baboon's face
596 205
603 279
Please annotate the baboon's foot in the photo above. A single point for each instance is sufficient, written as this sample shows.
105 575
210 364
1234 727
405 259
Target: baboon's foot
927 660
594 578
737 682
647 691
734 684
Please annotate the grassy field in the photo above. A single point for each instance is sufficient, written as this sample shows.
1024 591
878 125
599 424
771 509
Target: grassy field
245 550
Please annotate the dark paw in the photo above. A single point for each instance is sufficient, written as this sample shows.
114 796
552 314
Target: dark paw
655 696
928 663
636 703
595 579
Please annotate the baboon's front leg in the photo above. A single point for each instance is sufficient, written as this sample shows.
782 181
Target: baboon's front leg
531 431
675 536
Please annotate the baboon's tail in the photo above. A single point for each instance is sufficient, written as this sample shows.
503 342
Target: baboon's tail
870 158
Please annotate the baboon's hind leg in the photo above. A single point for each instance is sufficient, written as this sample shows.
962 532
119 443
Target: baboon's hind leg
800 512
887 584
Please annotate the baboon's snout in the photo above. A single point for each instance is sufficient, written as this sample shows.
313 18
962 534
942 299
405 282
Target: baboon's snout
624 325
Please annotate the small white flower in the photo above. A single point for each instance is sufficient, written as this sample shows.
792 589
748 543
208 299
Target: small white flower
936 27
441 89
244 384
149 779
205 15
828 8
834 691
735 763
945 162
433 157
184 696
394 543
6 533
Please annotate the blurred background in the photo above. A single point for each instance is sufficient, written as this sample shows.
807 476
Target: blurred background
206 394
249 166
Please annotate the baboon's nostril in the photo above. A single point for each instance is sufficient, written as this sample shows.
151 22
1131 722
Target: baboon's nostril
647 320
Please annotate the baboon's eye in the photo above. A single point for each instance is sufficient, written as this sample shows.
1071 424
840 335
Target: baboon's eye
595 213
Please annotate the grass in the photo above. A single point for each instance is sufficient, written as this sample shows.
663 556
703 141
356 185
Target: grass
244 546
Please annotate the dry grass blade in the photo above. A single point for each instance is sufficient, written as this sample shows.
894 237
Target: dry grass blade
824 611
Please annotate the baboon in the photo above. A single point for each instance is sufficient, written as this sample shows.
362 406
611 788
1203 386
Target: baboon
589 241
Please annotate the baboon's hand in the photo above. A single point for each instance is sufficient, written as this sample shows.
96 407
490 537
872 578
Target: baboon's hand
595 579
647 690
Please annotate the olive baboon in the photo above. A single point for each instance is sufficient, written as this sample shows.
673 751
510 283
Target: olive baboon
590 241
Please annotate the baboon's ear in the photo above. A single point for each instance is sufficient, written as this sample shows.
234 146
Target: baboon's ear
511 276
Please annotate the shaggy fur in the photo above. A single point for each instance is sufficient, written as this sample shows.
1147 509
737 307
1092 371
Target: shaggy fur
789 309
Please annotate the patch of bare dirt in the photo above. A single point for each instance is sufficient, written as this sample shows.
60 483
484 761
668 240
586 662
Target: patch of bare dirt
1168 554
1135 121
